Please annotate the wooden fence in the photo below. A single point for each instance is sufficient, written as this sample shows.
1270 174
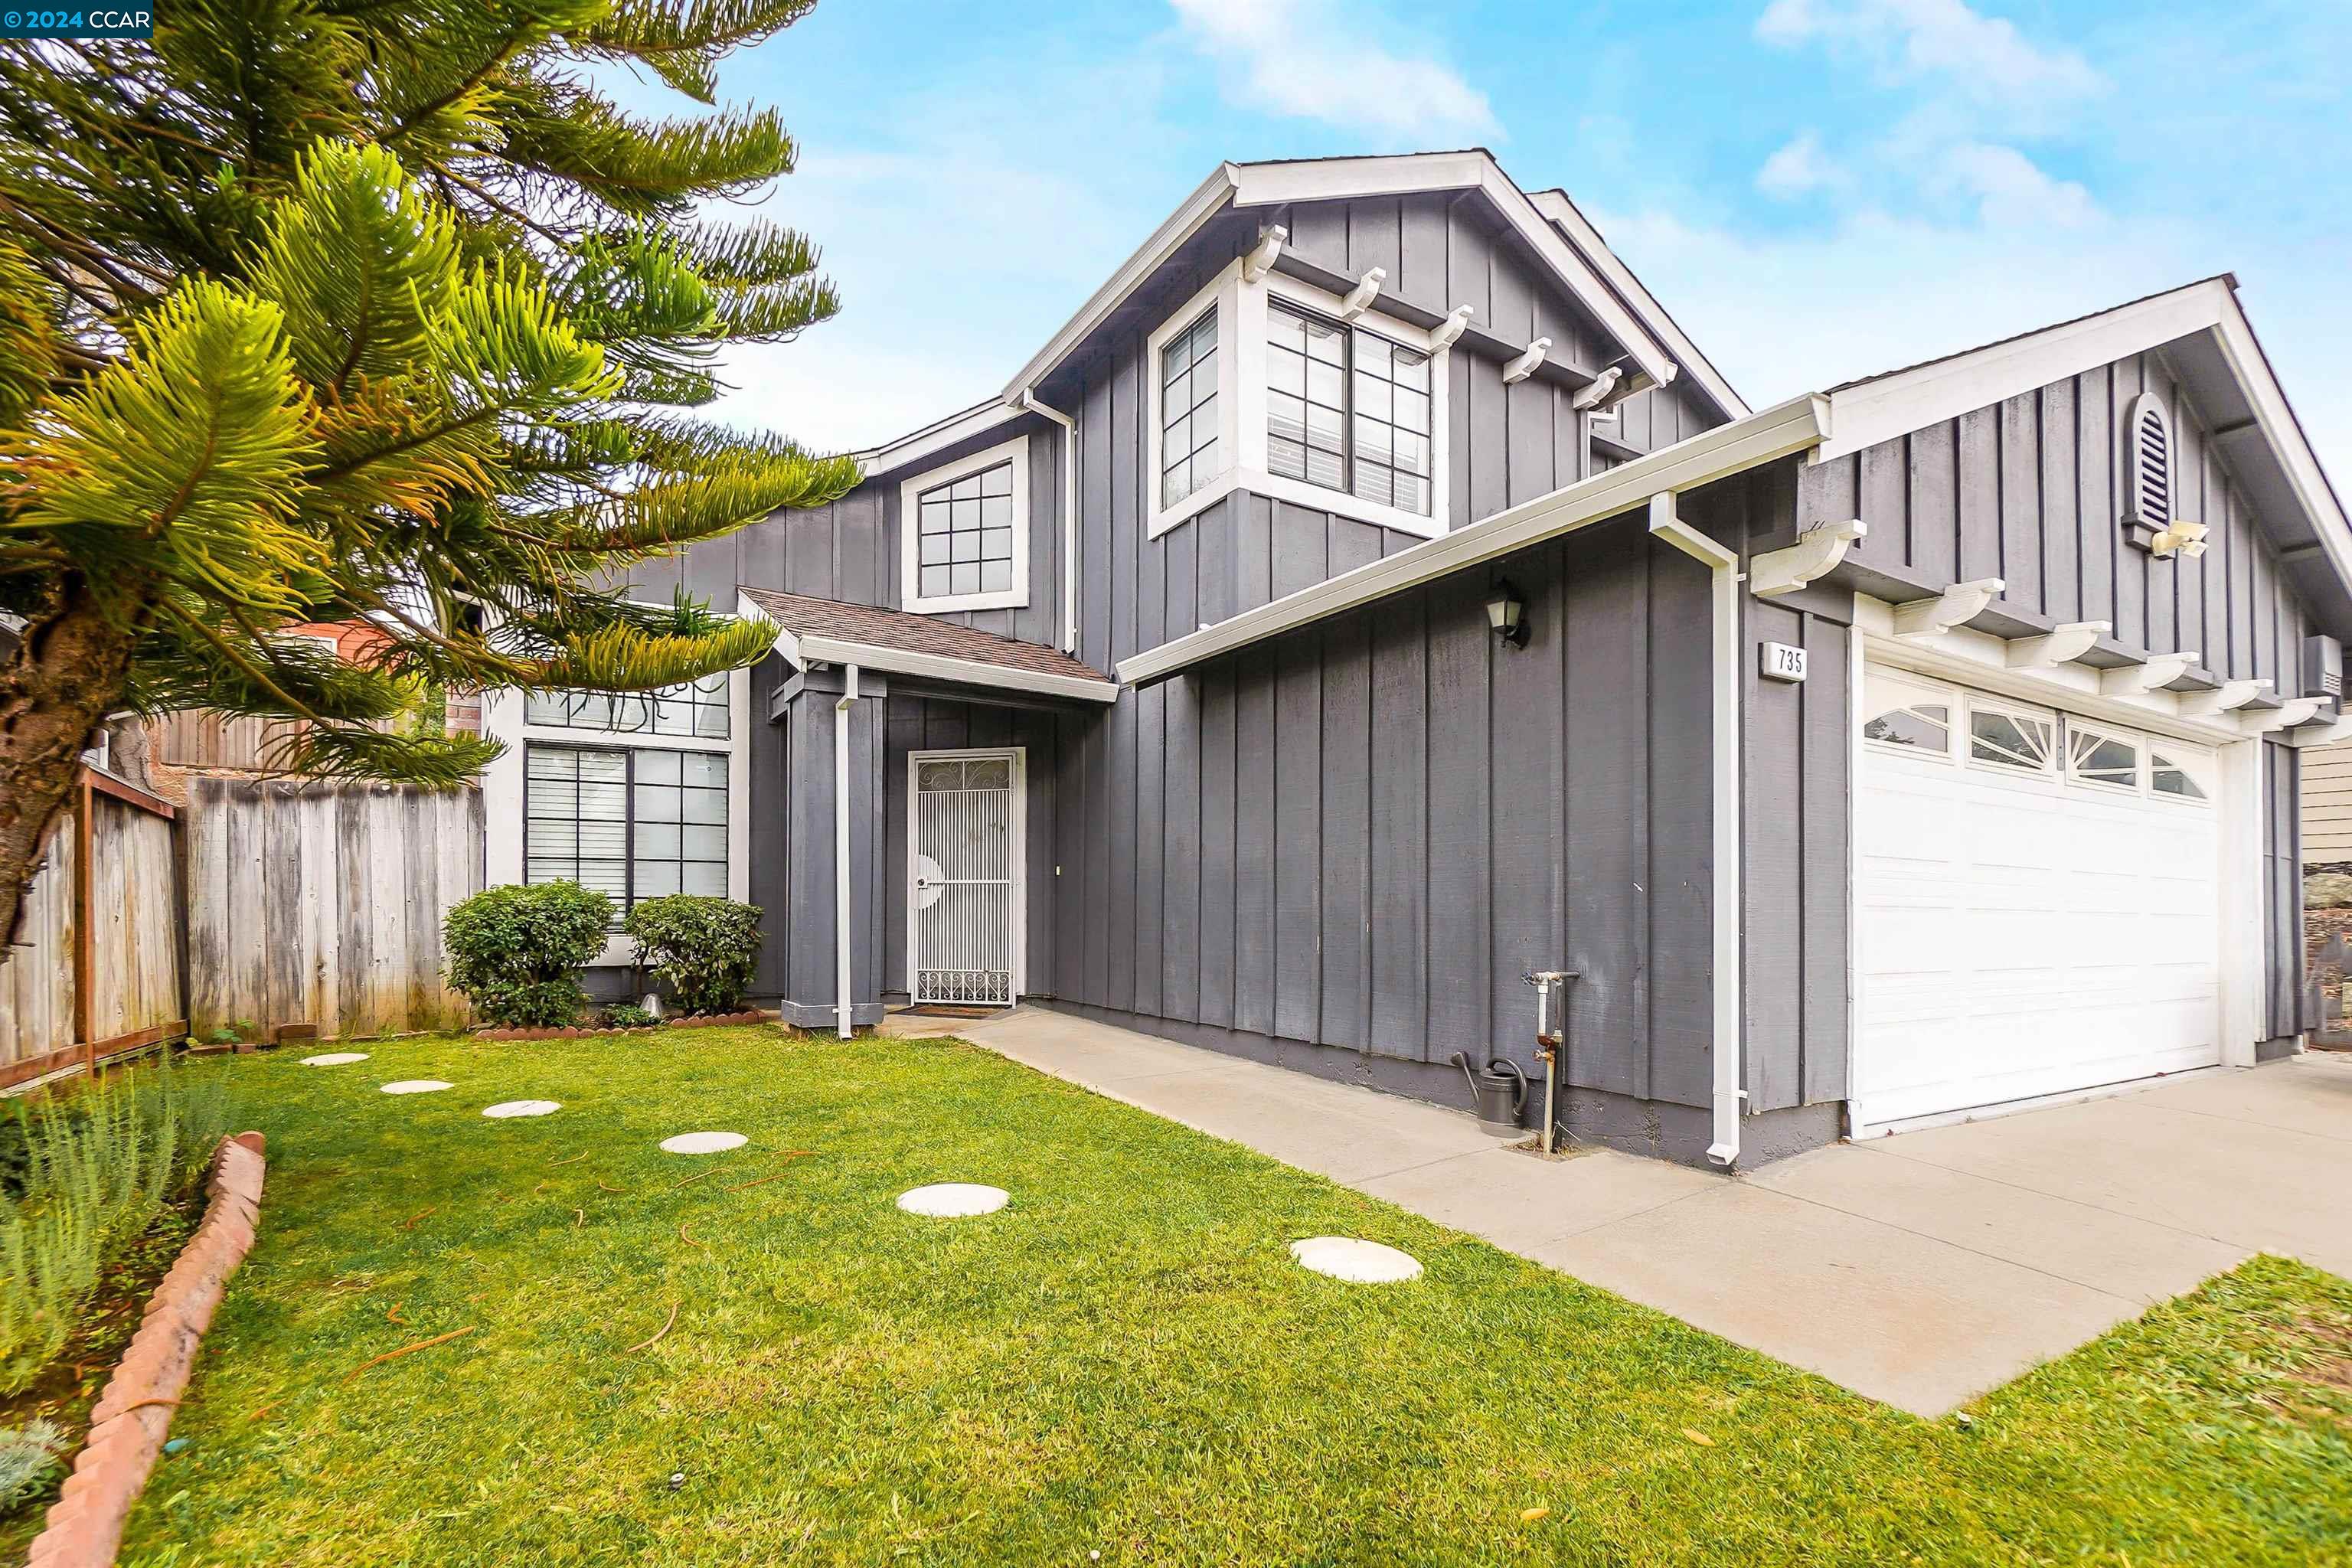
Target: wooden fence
319 904
97 969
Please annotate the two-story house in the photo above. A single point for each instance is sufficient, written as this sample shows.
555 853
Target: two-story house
1371 597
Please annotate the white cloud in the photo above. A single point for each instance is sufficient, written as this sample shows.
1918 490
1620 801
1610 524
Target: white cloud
2012 193
1799 166
1984 57
1309 58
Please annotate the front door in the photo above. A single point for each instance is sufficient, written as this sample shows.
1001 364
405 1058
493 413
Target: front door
964 903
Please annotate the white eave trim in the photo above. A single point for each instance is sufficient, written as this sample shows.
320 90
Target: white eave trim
1556 206
1181 224
1335 179
801 651
935 437
1775 432
1870 412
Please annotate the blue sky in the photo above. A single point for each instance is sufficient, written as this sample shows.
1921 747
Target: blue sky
1818 189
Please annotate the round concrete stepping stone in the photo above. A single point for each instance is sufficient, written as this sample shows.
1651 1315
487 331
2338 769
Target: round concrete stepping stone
416 1086
703 1142
334 1059
1358 1262
520 1107
954 1200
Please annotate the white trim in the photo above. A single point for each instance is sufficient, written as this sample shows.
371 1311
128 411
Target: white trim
1019 915
1775 432
1870 412
1016 452
1723 568
1180 225
1070 445
2245 969
502 787
934 438
1556 206
844 884
1337 179
1241 308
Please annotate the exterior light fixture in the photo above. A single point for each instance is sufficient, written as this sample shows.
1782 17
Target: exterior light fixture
1508 613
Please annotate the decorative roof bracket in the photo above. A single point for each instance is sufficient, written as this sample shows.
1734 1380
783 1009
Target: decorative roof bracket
2061 645
1519 369
1960 603
1367 289
2229 695
1817 550
1263 255
2161 669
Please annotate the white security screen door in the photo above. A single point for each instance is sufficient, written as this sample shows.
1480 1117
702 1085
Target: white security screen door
963 909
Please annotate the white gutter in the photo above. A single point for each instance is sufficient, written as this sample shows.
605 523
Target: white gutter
1775 432
844 1014
1724 566
1028 399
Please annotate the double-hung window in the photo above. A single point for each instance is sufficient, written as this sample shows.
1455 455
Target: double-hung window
1270 386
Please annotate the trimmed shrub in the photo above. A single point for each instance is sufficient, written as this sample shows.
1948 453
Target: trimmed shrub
702 950
91 1172
629 1016
516 952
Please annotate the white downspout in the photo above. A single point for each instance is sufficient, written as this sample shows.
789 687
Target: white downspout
1724 566
1069 514
842 903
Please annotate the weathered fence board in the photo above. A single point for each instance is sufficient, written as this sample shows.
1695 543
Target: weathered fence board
97 967
321 903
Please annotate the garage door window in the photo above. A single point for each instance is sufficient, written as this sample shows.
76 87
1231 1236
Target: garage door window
1921 727
2009 740
2095 758
2167 777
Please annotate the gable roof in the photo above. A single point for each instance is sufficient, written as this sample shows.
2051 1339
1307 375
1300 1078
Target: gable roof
1641 327
2219 363
832 631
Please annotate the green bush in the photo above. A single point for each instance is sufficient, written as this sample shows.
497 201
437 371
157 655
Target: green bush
703 950
629 1016
28 1454
516 952
91 1170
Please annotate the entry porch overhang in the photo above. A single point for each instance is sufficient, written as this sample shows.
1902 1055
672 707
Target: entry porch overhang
811 632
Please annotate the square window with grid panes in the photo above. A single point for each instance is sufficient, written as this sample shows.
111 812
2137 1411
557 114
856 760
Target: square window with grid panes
636 823
1347 410
964 535
1188 410
699 708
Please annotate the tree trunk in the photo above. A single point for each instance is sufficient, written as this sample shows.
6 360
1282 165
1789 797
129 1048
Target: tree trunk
70 670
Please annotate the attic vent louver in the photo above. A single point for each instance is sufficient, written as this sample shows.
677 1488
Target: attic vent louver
2149 507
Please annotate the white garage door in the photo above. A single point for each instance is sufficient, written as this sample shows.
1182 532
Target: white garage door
2038 901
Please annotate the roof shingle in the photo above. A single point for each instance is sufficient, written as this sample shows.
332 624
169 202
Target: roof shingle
804 616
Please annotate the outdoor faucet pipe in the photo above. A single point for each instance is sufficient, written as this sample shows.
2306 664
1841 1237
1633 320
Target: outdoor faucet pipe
844 1012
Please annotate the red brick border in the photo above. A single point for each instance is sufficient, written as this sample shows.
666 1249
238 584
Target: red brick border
128 1423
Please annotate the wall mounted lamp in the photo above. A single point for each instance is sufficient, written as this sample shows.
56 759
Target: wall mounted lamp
1506 613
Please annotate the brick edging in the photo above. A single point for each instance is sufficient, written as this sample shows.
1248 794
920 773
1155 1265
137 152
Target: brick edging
128 1422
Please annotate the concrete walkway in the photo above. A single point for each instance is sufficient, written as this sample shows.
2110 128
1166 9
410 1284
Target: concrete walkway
1921 1269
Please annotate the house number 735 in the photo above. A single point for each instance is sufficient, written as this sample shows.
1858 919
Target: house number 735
1781 662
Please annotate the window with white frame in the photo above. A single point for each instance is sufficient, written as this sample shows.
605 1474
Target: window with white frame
638 823
964 533
696 708
1265 386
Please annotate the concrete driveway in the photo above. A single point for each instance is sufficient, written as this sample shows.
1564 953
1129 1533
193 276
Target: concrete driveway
1921 1269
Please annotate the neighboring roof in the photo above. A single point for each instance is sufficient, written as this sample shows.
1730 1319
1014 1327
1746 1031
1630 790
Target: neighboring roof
828 631
1263 184
1555 205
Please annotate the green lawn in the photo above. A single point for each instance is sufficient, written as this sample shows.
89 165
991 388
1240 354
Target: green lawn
1125 1362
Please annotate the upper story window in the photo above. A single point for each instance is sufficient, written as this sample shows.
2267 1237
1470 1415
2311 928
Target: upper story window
964 533
697 708
1346 409
1264 387
1188 410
